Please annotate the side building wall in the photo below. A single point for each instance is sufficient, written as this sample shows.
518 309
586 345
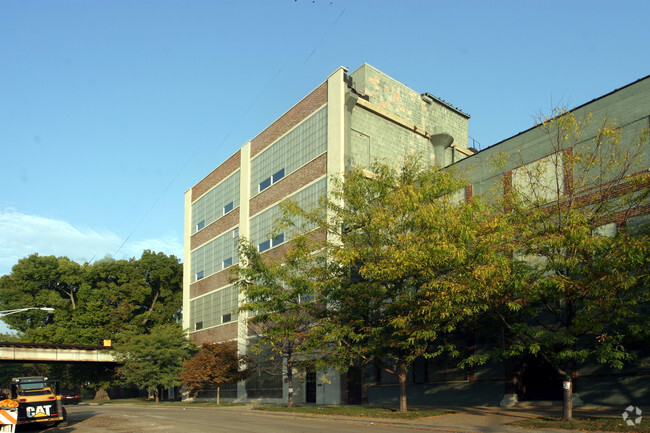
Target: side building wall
440 382
490 169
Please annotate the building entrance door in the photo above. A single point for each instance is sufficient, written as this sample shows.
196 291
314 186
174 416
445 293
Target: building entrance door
310 387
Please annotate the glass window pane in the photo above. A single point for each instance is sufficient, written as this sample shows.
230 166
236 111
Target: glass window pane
263 246
278 239
265 184
279 175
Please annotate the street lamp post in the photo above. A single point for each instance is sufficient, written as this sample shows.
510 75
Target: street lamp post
20 310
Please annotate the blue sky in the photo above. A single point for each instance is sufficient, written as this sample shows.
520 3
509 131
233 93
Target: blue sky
110 110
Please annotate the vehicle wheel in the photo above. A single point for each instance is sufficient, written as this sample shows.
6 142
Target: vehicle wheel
64 422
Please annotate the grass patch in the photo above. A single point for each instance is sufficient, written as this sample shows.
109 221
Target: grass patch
585 424
143 401
356 411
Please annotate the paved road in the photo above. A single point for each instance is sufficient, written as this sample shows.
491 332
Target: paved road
118 418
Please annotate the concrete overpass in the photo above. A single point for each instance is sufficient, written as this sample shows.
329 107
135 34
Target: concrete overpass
55 353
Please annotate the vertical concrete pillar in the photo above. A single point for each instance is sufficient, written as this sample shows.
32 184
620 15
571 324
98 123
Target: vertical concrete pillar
336 89
187 262
244 232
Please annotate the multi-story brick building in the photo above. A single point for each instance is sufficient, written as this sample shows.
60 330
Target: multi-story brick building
347 121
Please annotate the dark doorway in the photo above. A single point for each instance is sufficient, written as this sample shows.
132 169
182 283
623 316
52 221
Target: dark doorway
354 386
539 380
310 387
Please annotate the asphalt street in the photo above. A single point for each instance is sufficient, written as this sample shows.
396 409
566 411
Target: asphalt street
124 418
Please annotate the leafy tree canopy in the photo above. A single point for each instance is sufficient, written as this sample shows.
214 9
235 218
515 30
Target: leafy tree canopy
154 360
92 301
214 364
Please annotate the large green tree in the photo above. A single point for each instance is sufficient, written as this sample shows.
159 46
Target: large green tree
41 281
154 360
573 214
91 302
279 301
400 243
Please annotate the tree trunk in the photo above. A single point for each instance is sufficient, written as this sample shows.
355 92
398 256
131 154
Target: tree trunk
290 382
401 375
567 384
71 296
101 395
153 304
567 409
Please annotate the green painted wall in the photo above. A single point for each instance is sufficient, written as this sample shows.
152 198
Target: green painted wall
373 136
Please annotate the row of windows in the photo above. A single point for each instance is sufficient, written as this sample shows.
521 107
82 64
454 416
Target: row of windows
295 149
270 180
221 252
262 226
216 203
214 309
299 146
216 255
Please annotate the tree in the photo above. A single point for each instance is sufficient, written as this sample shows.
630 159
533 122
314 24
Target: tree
163 279
215 363
399 242
41 281
279 296
154 360
130 295
94 301
586 291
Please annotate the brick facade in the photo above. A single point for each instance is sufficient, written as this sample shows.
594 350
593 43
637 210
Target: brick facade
217 175
226 222
210 283
220 333
290 184
290 119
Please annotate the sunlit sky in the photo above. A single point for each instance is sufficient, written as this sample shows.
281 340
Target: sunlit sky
110 110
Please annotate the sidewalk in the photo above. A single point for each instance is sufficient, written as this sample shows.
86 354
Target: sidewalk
484 419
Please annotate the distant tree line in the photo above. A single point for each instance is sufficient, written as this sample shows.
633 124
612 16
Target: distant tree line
134 303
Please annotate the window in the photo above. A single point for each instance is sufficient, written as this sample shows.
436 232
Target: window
277 240
263 246
277 176
235 233
226 263
270 180
226 318
296 148
209 257
210 207
198 325
541 181
209 309
606 230
227 208
270 243
199 275
264 184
